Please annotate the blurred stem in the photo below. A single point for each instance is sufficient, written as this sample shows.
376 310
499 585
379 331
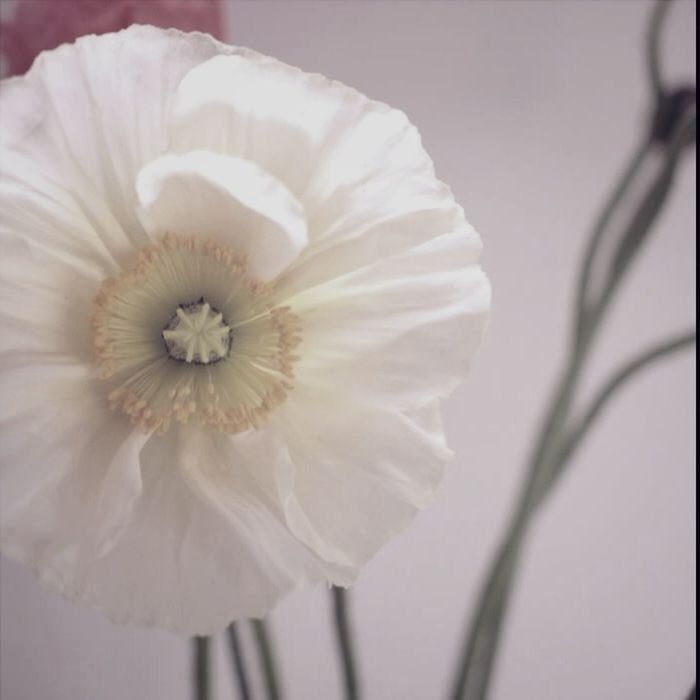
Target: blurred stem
589 312
267 660
601 227
344 641
479 647
200 667
691 694
653 42
645 213
239 669
622 376
557 441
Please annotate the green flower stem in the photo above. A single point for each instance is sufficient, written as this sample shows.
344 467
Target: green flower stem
622 376
200 667
478 655
601 227
591 311
239 668
479 648
554 447
631 241
646 213
556 441
344 642
652 47
267 660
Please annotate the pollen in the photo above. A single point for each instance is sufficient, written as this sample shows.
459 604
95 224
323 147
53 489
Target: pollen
186 335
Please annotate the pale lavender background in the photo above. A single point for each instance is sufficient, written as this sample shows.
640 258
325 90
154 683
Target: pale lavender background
529 109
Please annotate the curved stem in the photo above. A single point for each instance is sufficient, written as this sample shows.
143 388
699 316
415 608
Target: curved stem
479 648
622 376
654 70
645 214
652 48
239 669
267 659
344 641
601 226
478 656
200 667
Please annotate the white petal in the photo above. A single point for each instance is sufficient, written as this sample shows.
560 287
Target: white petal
356 493
228 198
312 133
44 305
401 331
254 470
76 231
89 115
52 260
201 548
69 474
386 216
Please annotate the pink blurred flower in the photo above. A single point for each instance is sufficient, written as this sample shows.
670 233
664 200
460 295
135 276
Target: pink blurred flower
38 25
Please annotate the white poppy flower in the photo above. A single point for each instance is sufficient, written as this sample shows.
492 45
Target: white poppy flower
233 295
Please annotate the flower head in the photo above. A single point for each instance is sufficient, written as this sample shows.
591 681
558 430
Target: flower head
233 296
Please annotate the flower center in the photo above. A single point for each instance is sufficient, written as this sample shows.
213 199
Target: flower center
197 333
225 359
